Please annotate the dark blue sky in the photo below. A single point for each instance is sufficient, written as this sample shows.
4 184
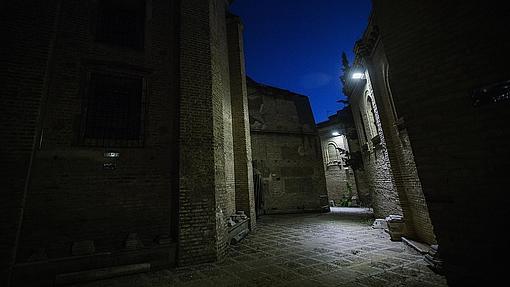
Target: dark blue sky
297 45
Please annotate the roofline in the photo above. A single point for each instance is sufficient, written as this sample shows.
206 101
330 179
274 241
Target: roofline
274 88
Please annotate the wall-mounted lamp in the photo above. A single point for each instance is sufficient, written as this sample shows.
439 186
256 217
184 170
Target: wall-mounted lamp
357 76
111 154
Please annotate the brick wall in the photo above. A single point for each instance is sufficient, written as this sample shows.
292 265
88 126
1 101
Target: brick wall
338 175
177 182
24 58
207 191
407 183
222 122
376 163
244 189
336 183
460 149
362 187
286 150
71 197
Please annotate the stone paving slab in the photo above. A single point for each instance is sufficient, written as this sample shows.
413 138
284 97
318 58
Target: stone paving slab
334 249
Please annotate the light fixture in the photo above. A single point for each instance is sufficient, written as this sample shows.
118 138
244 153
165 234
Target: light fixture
335 133
357 76
111 154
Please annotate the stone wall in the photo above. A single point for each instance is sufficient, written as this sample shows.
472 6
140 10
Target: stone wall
458 133
286 150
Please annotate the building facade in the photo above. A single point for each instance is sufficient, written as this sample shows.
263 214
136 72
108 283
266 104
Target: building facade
341 181
390 127
387 154
439 74
374 154
286 151
125 135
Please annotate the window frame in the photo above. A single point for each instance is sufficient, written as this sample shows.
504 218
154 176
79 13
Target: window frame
112 142
330 160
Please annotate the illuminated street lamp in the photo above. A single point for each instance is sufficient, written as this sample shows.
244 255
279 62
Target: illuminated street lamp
357 76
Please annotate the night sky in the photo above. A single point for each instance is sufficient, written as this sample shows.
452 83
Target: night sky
297 45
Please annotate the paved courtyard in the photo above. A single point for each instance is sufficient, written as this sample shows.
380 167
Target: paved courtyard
339 248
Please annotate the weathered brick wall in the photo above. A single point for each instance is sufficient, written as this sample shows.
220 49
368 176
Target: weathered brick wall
336 183
187 132
222 122
291 170
27 33
407 183
460 150
244 189
338 175
71 198
362 187
272 110
286 150
365 198
376 164
206 157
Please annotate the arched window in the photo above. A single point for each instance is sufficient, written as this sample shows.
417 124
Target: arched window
373 130
333 154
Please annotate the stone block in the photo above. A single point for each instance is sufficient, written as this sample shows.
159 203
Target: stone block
395 227
379 224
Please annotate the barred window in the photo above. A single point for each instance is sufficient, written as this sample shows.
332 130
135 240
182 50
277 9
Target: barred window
113 110
121 23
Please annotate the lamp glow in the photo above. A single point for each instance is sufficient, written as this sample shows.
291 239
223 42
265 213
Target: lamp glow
335 133
357 76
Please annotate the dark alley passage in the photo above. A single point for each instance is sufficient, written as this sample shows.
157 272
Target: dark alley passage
254 143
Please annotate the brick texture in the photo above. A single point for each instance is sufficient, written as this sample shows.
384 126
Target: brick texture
206 156
338 175
177 183
400 154
70 197
244 189
286 150
460 150
25 55
376 163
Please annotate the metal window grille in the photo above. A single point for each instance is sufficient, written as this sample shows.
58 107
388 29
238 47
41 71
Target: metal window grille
114 110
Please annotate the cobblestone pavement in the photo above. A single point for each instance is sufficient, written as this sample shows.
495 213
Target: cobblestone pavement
339 248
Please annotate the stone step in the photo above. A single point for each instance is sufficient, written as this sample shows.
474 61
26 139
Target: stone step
416 245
